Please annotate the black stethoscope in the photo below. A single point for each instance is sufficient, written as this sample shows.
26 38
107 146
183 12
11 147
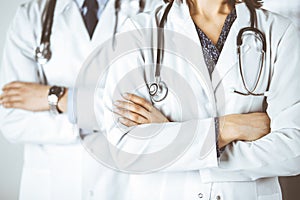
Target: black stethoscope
43 51
158 90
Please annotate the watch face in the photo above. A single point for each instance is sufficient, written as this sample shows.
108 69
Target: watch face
56 90
52 99
55 93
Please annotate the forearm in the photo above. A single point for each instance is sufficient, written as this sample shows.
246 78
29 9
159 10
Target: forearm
242 127
242 161
278 153
37 127
182 146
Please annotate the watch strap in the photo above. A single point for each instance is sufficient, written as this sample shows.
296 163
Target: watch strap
54 95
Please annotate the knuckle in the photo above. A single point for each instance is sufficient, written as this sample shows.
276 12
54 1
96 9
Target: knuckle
7 105
150 108
143 101
130 96
137 108
136 118
144 121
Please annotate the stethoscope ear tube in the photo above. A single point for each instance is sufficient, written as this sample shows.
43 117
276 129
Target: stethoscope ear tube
239 52
47 26
258 33
239 43
43 52
159 90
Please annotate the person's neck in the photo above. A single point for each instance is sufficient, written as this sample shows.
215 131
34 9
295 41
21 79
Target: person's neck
209 7
209 16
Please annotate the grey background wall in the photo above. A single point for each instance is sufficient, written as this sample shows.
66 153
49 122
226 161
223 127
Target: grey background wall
11 155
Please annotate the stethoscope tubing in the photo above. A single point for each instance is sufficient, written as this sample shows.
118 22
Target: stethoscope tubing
158 84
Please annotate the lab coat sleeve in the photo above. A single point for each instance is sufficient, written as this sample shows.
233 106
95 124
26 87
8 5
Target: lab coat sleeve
174 146
18 64
278 153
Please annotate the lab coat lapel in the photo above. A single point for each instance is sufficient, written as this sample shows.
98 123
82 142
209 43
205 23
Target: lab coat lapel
61 6
178 18
77 25
105 27
73 19
228 57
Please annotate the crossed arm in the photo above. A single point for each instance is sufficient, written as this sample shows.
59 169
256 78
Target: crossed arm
134 110
29 96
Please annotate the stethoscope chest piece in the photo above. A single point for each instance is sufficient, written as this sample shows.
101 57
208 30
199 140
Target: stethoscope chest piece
158 91
43 53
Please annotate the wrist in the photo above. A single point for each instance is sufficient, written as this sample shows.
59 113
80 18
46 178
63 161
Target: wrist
229 130
223 138
63 102
54 96
46 104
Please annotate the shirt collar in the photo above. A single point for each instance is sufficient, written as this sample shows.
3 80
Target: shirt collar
100 2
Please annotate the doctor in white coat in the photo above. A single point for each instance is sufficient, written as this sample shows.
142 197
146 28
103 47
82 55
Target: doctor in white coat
248 168
52 154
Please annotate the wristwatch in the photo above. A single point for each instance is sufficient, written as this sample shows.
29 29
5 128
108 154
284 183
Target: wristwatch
54 95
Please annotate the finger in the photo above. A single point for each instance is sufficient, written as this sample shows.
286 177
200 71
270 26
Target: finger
12 105
138 100
11 92
11 99
127 122
15 84
132 107
131 116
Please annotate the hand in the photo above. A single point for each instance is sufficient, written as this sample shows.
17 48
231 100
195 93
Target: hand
246 127
137 110
29 96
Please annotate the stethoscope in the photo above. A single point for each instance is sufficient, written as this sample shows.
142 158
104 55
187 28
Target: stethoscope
158 90
43 51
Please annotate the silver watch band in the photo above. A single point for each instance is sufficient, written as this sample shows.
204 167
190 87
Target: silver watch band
53 109
55 93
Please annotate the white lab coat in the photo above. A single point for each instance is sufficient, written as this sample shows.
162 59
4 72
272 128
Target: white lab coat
245 170
52 154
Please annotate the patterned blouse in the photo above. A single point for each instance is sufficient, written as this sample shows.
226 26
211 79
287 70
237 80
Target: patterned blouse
212 52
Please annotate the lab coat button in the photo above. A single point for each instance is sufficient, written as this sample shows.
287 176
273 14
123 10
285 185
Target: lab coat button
91 193
218 197
200 195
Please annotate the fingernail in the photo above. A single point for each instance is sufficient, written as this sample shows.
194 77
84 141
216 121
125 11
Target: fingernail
121 119
116 110
117 103
126 95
